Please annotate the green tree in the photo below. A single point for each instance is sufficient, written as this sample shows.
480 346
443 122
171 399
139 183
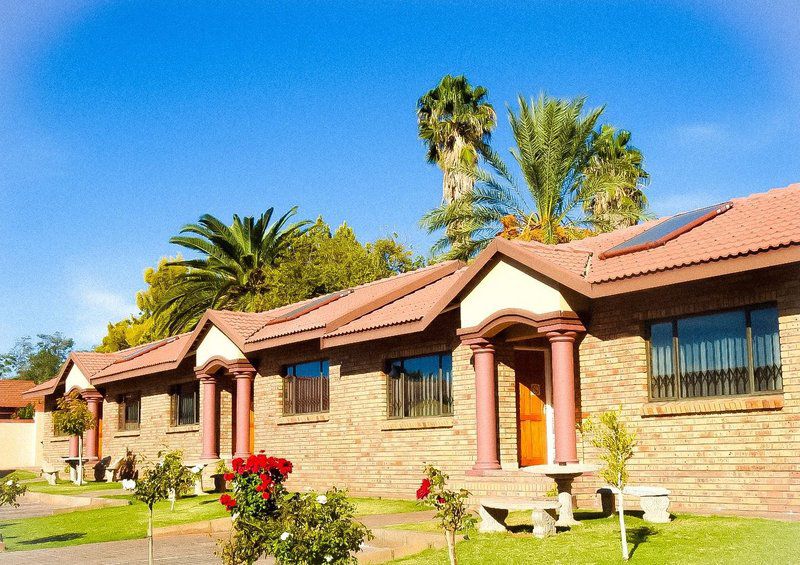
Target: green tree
73 418
231 270
10 490
616 175
555 149
616 445
146 326
151 488
38 361
321 261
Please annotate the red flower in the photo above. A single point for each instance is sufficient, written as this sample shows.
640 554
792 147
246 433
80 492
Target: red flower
265 495
227 501
440 500
228 476
424 489
237 464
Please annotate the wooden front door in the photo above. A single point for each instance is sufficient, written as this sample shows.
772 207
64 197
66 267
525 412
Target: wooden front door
530 374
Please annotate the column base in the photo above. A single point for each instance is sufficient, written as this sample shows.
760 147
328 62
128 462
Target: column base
480 469
242 455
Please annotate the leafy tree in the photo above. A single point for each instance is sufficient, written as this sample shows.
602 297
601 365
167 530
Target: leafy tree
616 446
10 491
26 412
38 361
73 418
147 326
230 274
320 261
557 151
151 488
455 123
179 479
617 177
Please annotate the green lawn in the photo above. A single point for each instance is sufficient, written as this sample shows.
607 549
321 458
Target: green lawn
688 540
370 506
18 475
130 522
104 524
68 487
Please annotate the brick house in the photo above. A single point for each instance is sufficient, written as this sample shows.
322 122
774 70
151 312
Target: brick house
11 400
690 323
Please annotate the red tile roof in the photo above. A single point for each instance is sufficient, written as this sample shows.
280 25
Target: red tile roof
11 391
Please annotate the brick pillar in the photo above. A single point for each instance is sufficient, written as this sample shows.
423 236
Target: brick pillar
563 351
485 406
94 401
244 398
208 420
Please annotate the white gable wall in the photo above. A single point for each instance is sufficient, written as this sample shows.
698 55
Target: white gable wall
76 380
217 344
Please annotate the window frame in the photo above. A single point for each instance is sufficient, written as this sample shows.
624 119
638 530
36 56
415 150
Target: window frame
174 403
747 309
123 423
288 378
387 371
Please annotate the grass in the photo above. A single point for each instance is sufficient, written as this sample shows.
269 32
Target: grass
18 475
371 506
688 540
130 522
68 487
104 524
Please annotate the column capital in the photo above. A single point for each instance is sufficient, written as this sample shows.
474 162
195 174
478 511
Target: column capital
561 336
92 396
478 344
243 373
206 377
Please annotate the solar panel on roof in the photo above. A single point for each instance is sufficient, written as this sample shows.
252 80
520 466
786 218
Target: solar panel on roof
667 230
308 307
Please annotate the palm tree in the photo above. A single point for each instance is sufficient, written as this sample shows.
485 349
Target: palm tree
455 123
231 273
617 173
555 147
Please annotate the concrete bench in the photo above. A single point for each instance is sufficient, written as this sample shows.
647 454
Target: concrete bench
197 470
494 511
50 473
654 501
112 469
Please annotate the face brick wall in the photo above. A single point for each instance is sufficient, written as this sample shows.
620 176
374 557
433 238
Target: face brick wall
730 460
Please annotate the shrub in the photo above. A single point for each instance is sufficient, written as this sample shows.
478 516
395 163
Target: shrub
151 488
178 478
9 491
451 506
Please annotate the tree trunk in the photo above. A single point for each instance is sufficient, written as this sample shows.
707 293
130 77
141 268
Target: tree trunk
451 546
150 537
622 531
80 459
172 497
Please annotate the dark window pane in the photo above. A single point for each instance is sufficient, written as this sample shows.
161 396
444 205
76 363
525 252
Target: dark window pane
306 388
766 349
713 355
420 386
662 370
188 404
131 411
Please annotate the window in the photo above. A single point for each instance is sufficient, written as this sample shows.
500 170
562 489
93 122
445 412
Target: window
306 388
185 404
421 386
722 354
130 410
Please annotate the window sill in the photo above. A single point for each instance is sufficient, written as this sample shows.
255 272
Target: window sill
127 433
303 419
713 405
59 439
183 429
418 423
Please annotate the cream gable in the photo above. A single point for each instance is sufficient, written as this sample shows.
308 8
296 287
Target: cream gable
507 286
76 380
217 344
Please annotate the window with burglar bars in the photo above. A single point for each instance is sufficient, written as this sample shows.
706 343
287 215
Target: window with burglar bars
306 388
421 386
130 406
185 404
727 353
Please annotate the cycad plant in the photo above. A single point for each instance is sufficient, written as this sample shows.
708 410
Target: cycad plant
555 150
231 271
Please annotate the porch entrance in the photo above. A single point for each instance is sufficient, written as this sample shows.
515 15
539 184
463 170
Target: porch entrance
530 372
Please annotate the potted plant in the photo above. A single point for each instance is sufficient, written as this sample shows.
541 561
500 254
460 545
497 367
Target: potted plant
222 476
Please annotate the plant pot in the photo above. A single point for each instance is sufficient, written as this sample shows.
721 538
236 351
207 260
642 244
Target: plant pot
220 484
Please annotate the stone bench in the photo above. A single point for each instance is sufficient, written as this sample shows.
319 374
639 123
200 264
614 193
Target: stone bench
112 469
197 470
494 511
654 501
50 473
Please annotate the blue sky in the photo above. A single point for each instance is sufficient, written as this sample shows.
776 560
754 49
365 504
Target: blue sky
122 121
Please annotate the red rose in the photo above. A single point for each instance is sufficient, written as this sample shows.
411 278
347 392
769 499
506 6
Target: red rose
440 500
225 499
424 489
262 461
265 495
228 476
237 464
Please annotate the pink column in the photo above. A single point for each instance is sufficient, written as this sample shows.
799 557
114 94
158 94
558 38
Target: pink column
73 447
93 401
209 421
563 346
485 406
244 395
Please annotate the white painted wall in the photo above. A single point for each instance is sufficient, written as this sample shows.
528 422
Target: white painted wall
17 444
76 380
217 344
507 286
